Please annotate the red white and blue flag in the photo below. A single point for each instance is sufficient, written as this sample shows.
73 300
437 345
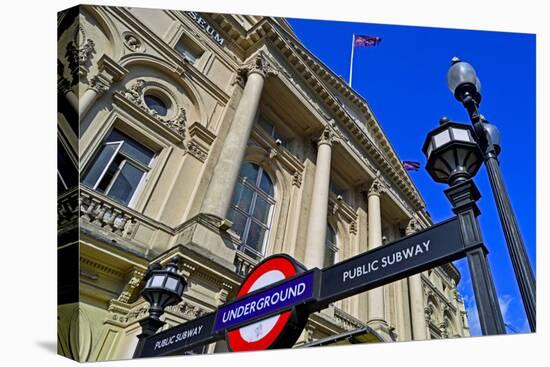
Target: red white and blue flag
366 41
411 165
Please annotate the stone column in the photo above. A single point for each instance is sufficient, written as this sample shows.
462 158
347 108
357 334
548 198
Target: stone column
418 316
317 221
375 297
220 191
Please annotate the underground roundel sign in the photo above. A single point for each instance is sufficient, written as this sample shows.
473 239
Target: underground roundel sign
278 331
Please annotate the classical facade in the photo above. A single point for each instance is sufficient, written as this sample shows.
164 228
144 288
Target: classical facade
223 139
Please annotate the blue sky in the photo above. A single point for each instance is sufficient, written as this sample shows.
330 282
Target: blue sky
404 81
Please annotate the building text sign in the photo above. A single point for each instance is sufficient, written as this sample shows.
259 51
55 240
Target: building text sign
211 31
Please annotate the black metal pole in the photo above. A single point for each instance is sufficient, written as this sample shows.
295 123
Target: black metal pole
514 241
463 196
149 327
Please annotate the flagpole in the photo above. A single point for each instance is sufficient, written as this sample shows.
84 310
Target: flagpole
351 60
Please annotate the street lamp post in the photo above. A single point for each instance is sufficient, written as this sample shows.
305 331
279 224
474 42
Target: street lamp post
454 158
163 288
464 83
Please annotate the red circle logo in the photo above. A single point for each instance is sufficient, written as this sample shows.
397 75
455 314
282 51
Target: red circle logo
266 333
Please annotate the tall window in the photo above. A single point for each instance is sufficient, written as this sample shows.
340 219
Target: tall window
118 167
330 247
253 200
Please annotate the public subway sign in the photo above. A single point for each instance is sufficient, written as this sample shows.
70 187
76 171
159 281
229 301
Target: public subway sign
203 24
182 337
435 246
277 296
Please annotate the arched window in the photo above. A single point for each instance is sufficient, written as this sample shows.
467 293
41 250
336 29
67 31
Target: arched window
251 207
330 247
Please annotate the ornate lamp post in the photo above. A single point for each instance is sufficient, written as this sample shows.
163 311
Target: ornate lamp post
464 84
454 158
163 288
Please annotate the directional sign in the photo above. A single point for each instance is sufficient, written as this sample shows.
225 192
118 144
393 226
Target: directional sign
185 336
277 296
279 330
435 246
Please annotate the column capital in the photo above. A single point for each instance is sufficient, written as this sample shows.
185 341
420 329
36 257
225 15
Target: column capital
412 227
258 64
377 187
328 137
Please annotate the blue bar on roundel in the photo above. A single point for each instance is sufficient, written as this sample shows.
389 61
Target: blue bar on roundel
265 303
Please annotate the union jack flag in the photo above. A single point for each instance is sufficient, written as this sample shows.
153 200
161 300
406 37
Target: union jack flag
366 41
411 165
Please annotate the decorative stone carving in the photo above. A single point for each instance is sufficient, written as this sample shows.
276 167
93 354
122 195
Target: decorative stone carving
377 187
131 292
259 64
99 84
78 53
297 179
63 86
428 312
327 137
134 94
197 151
412 227
133 42
186 310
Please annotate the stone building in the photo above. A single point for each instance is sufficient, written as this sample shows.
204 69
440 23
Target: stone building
223 139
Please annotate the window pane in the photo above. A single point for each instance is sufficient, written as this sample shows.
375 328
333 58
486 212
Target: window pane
126 183
156 104
255 237
109 174
266 184
239 222
132 147
242 197
261 210
97 167
250 172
